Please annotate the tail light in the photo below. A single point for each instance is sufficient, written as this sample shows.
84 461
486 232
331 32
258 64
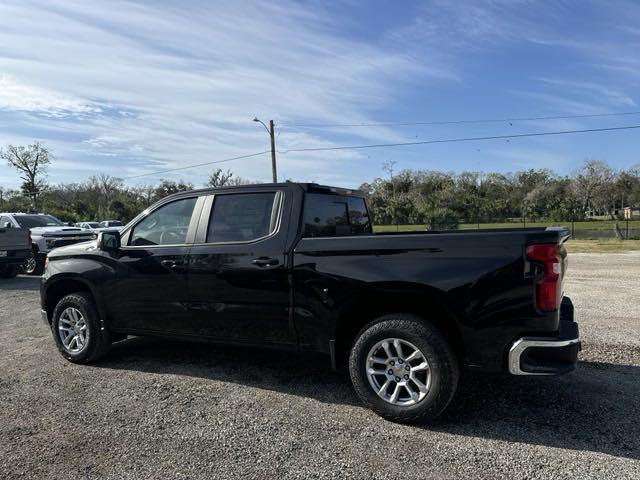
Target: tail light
549 283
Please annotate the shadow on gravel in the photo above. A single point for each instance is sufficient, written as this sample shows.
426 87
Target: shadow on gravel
595 408
21 282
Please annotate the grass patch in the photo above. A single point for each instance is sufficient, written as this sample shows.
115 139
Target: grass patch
602 246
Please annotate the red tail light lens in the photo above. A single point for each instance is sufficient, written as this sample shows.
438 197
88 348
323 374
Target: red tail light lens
548 285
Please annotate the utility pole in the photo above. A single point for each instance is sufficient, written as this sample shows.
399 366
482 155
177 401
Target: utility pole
272 134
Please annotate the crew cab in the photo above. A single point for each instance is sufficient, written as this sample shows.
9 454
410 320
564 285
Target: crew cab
298 267
15 248
47 233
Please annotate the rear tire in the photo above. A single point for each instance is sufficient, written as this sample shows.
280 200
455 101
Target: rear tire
75 315
384 353
8 271
34 264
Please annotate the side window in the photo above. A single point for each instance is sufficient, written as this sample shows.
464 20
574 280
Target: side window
358 216
168 225
242 217
334 215
4 221
325 216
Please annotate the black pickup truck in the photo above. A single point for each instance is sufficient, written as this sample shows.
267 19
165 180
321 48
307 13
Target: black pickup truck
297 266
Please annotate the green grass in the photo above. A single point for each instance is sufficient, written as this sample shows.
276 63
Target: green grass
602 246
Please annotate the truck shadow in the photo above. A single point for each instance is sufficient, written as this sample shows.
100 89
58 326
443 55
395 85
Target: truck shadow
595 408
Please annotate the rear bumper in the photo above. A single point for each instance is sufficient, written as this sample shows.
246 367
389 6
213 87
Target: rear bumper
15 257
548 355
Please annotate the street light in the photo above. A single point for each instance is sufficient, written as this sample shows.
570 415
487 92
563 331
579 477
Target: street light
270 131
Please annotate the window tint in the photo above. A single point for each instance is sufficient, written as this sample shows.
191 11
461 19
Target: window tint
32 221
333 215
167 225
242 217
358 216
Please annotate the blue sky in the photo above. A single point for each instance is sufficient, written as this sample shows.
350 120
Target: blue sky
128 88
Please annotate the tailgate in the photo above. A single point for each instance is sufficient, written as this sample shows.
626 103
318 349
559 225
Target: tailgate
14 239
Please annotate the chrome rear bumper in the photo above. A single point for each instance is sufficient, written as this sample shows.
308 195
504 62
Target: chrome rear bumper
554 365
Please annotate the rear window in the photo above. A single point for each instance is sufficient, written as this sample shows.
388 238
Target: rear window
243 217
334 215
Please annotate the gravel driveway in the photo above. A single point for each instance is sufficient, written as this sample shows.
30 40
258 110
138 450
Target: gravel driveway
156 409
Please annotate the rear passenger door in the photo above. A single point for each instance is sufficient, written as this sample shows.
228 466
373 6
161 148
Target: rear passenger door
239 288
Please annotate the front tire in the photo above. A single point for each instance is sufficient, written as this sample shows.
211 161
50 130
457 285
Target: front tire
77 331
403 368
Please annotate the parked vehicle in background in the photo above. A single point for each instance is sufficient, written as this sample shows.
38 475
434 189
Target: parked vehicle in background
88 225
297 266
111 223
15 247
47 233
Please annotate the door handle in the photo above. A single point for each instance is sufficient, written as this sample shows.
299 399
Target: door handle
171 263
265 261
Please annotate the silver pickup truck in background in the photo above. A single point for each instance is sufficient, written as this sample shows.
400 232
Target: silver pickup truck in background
15 248
47 233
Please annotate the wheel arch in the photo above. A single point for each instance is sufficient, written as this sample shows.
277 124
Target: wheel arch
58 289
428 304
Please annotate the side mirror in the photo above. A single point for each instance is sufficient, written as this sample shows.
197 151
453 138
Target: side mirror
71 224
7 225
109 240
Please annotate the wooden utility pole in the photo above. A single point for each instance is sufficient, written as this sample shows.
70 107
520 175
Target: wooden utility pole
272 134
271 130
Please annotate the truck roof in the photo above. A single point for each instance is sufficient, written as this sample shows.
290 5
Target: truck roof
307 187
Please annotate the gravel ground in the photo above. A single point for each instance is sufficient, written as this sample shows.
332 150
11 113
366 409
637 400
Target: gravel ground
156 409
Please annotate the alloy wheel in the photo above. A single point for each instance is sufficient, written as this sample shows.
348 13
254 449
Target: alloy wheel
398 372
72 330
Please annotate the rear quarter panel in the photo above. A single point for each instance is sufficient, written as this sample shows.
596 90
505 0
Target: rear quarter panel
479 277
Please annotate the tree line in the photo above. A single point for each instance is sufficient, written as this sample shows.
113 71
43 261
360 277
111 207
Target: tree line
444 199
433 198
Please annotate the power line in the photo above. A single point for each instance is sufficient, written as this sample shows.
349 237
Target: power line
197 165
455 122
452 140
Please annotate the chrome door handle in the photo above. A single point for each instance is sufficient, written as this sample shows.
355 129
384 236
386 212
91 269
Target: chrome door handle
265 262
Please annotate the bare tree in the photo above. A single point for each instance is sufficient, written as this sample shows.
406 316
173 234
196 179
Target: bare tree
594 182
219 178
31 163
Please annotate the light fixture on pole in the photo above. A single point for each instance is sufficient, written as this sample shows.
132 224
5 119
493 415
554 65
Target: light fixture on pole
271 131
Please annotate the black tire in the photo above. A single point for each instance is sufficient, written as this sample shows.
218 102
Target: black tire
97 338
34 265
444 367
8 271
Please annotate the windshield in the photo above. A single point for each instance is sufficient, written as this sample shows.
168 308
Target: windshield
91 225
31 221
111 223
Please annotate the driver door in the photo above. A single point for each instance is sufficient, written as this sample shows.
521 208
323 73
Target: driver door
150 294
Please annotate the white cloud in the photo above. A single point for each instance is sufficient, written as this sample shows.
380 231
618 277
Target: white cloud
162 85
19 96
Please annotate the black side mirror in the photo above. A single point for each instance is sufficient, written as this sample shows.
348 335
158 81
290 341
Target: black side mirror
71 224
109 240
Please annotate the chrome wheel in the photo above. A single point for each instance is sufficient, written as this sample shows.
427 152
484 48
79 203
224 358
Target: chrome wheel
29 265
398 372
72 329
